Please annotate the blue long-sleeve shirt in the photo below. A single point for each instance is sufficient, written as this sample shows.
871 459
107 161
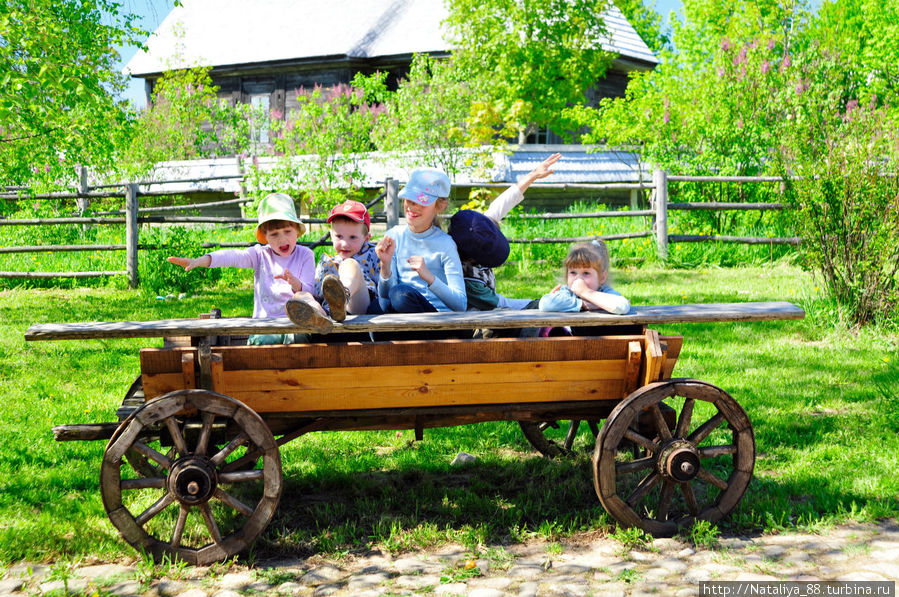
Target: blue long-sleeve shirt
447 291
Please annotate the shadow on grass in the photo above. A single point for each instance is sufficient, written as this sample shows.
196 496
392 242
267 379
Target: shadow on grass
482 503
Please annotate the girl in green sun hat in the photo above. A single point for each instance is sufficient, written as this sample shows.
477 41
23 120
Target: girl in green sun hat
282 269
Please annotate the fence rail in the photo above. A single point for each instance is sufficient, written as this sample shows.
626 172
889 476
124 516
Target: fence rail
132 216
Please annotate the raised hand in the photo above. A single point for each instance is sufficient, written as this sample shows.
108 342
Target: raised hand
295 284
419 266
385 250
545 168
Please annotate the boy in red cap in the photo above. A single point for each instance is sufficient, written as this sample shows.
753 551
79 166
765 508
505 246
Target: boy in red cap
347 281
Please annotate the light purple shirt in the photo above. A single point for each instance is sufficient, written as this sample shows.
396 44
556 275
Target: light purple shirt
270 294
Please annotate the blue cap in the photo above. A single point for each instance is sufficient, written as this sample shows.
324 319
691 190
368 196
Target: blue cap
425 186
478 238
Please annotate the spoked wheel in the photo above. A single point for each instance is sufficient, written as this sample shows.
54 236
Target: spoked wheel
556 438
215 477
698 470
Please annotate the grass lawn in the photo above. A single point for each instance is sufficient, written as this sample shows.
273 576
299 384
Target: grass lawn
824 404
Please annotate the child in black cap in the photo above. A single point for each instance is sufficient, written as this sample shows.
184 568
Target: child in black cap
482 245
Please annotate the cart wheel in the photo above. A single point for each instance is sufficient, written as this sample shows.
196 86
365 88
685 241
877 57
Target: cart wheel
207 499
555 438
698 470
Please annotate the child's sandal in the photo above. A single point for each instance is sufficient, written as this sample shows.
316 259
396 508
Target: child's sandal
336 295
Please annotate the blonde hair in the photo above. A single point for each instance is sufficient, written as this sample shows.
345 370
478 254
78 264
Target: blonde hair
438 217
593 254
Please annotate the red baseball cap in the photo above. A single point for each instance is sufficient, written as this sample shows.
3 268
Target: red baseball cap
352 210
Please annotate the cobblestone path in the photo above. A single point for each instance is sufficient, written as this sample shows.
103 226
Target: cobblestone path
855 552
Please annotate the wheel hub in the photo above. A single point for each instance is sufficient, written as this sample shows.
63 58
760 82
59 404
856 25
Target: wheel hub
679 461
192 481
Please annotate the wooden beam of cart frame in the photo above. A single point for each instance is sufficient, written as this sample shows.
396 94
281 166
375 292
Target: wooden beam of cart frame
394 322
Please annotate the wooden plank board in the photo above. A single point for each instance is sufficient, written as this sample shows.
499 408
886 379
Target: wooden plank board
377 354
654 357
655 314
378 382
404 396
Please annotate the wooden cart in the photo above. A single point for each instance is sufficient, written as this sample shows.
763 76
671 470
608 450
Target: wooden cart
192 468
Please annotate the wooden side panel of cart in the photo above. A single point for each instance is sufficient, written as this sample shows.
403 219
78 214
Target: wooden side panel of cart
412 374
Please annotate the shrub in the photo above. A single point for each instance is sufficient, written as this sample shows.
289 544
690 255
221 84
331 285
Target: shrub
160 277
846 156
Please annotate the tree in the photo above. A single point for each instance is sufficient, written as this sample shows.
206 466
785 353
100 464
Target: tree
185 120
647 23
530 58
433 118
771 88
58 85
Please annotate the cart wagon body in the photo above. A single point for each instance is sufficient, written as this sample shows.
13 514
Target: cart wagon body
193 468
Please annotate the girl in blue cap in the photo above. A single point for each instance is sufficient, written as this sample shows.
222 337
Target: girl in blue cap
420 266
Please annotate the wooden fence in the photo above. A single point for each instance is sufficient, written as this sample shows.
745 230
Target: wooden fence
132 216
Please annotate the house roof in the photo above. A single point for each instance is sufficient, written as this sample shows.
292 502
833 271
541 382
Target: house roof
222 33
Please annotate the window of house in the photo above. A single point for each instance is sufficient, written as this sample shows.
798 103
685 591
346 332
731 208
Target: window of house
261 103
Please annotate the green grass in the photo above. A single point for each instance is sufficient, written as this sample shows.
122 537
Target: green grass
824 403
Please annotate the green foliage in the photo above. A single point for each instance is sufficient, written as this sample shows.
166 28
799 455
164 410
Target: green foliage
847 196
529 59
703 534
329 130
434 118
647 23
186 121
57 87
632 538
763 88
160 277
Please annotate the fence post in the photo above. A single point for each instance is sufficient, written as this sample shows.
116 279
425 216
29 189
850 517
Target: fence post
131 234
243 185
391 202
634 204
82 203
660 181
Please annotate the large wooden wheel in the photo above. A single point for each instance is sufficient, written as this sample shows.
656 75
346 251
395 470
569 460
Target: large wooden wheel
556 438
206 484
699 469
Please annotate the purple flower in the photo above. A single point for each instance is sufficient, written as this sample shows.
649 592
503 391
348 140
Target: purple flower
740 121
785 64
766 66
725 44
740 57
771 43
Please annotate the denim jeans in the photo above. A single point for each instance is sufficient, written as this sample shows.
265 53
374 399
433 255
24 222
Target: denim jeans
405 298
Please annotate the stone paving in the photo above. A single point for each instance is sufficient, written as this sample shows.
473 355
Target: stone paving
603 566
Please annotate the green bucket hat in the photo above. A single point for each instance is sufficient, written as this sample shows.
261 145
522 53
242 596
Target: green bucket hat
277 206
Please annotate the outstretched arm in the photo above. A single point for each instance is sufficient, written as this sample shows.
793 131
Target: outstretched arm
189 264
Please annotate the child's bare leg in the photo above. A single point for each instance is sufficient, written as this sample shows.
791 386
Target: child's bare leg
303 310
350 274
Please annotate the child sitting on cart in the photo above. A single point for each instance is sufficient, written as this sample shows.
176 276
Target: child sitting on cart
482 245
346 282
587 287
282 269
420 270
